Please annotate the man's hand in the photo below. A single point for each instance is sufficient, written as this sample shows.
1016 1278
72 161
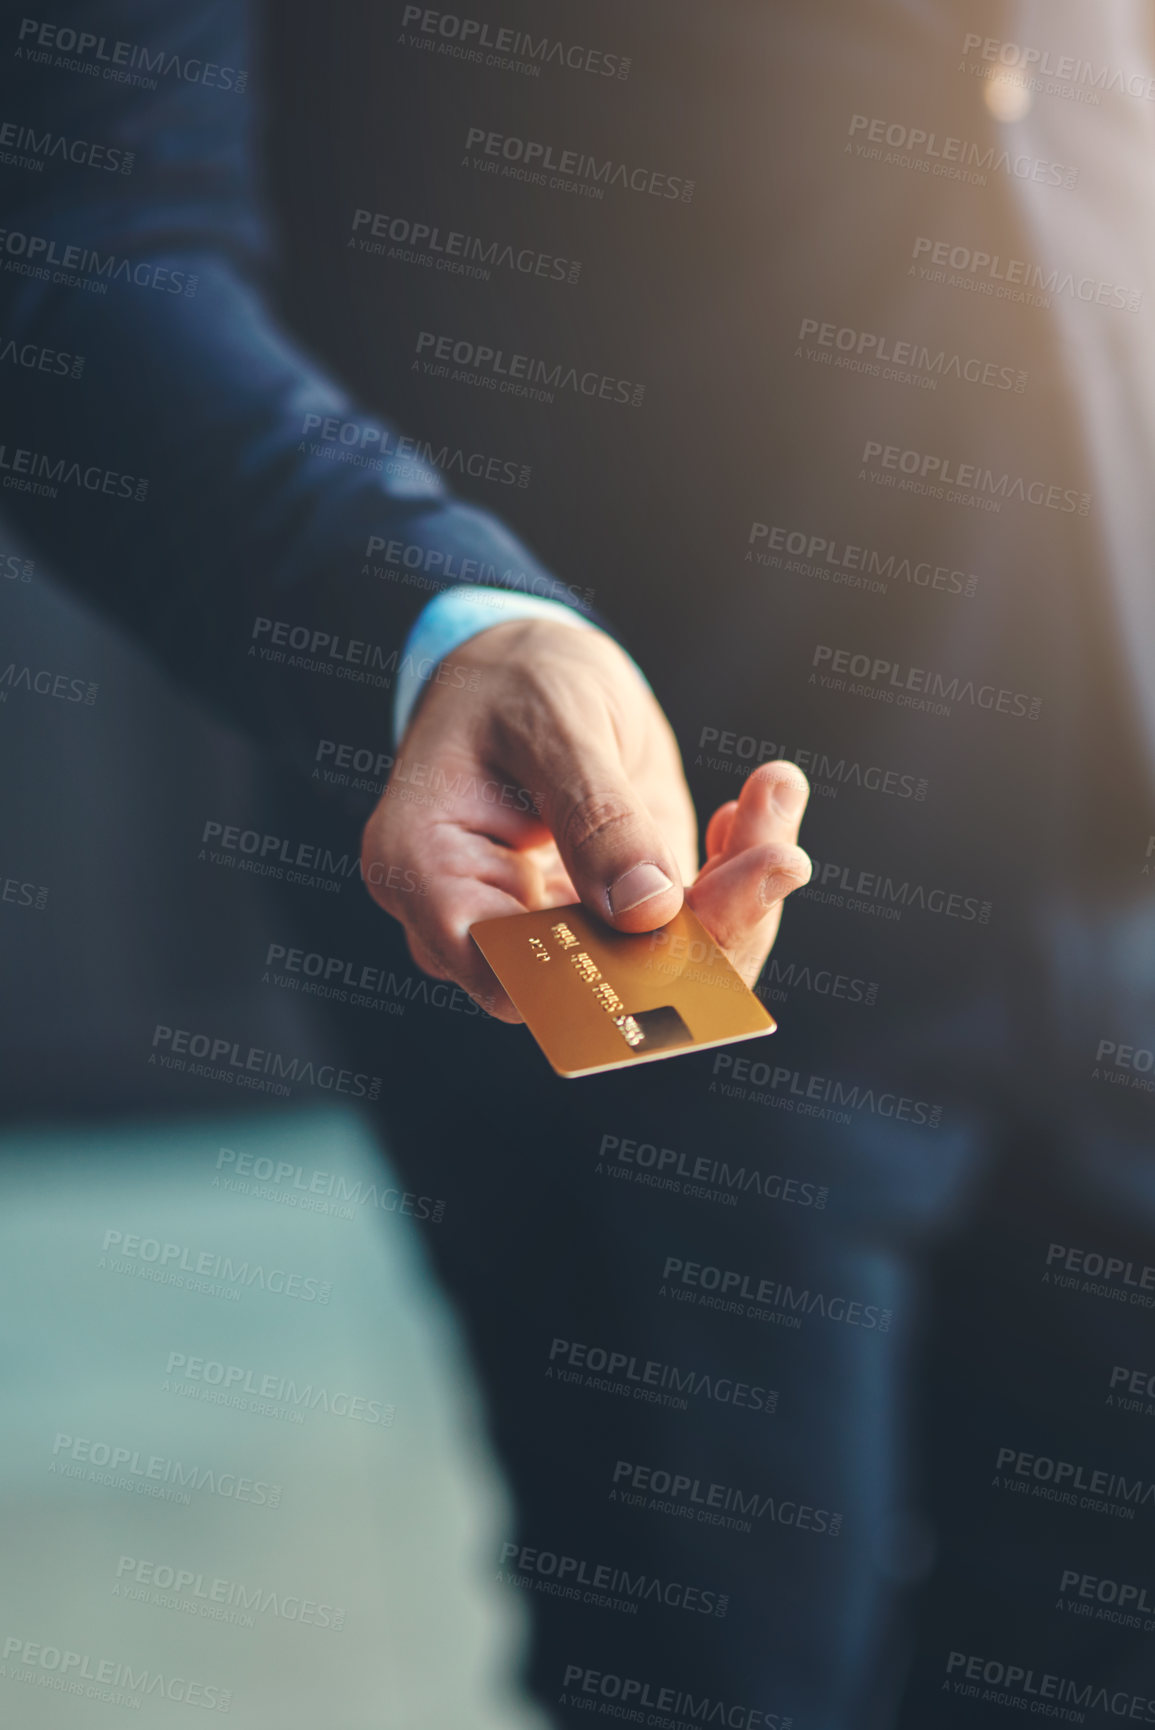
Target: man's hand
555 779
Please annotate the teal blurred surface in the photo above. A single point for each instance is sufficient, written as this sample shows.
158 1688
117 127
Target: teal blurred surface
241 1466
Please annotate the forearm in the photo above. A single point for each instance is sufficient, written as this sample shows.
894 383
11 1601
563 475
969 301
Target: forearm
182 484
252 543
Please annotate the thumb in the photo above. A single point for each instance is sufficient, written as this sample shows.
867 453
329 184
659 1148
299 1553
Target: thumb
616 856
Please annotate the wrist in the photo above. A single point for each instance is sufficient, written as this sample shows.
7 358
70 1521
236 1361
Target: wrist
460 615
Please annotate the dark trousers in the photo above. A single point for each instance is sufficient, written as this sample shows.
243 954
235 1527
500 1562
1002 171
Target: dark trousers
801 1422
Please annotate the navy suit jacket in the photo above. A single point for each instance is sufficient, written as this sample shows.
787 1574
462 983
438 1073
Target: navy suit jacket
197 493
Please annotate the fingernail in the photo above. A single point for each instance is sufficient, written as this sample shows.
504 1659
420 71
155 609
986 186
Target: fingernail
640 883
788 798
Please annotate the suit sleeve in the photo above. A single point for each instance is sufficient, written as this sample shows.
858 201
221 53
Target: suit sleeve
172 469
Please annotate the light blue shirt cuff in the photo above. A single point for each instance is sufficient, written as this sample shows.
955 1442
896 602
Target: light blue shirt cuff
449 620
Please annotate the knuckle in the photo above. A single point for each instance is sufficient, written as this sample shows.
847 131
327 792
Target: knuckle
377 878
779 881
391 869
780 773
426 955
593 818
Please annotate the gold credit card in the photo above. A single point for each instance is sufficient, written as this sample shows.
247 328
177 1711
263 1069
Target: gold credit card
595 999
